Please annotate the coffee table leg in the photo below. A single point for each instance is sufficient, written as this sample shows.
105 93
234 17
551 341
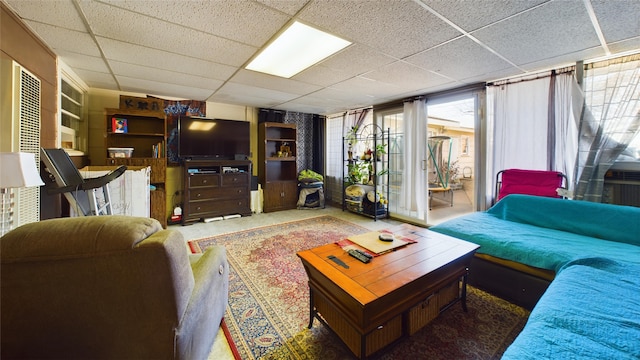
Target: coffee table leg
311 308
463 295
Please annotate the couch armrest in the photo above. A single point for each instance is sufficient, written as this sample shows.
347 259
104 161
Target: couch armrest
208 302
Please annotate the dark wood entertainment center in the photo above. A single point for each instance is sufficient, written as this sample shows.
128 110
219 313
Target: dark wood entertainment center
215 188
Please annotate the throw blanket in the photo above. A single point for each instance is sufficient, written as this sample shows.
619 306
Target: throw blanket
549 233
590 311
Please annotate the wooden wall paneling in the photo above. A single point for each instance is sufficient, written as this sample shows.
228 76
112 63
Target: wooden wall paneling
18 43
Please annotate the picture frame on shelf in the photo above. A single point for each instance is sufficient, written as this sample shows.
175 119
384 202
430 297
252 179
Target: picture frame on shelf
119 125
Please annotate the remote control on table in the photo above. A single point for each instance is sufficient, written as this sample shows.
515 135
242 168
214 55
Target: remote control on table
364 253
364 257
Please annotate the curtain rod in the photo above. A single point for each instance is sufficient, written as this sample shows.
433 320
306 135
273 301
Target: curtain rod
523 78
618 60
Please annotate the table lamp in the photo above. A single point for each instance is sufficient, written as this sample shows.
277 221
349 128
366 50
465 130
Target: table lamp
17 170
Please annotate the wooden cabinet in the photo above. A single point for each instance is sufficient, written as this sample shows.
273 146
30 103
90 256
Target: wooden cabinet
144 131
145 134
280 195
216 188
277 169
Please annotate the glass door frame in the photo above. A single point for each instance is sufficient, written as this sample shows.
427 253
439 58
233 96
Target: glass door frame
480 137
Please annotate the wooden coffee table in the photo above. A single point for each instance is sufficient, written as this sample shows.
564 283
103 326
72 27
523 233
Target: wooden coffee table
370 306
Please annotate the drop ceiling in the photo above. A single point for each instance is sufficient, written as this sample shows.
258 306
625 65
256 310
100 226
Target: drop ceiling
401 48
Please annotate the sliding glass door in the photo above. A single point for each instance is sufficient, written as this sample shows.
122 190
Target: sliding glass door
449 161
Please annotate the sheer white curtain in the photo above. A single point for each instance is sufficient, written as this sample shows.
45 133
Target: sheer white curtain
534 126
334 163
520 125
567 103
414 180
610 121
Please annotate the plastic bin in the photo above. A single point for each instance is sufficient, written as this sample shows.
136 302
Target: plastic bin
120 152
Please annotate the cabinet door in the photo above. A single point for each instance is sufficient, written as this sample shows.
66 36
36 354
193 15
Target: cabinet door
280 195
272 196
290 194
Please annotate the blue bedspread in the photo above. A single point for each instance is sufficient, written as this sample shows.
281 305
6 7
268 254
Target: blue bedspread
590 311
548 233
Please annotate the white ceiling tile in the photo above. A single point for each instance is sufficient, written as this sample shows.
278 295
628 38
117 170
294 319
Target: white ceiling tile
97 79
368 87
322 76
171 77
472 15
135 54
83 62
265 81
243 99
161 89
357 59
230 19
397 28
447 60
61 13
556 28
254 91
61 39
618 21
290 7
139 29
342 95
407 76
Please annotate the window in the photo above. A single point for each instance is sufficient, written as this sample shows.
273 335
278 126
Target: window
464 145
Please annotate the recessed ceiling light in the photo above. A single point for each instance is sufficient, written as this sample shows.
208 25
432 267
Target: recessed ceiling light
297 48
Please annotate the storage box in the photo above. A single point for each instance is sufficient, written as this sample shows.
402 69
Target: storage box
129 192
377 339
120 152
428 309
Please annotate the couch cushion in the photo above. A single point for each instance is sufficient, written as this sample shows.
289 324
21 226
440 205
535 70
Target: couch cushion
590 311
79 236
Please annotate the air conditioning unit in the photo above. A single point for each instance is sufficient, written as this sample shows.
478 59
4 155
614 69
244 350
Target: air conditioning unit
622 184
20 131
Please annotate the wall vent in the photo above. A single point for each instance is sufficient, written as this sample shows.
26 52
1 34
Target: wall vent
27 103
622 187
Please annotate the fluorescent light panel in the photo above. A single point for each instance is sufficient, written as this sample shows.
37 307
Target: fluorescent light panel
296 49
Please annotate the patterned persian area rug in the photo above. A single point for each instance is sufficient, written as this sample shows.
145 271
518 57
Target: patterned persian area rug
268 310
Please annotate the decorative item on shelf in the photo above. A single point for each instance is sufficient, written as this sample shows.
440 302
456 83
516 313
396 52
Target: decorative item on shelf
367 155
358 172
380 151
352 136
119 125
19 170
285 150
354 192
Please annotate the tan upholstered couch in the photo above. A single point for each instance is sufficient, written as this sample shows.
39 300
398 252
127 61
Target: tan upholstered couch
111 287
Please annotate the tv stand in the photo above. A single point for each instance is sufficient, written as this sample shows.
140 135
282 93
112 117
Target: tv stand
214 188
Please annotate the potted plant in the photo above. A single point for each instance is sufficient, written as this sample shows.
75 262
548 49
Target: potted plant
352 140
380 150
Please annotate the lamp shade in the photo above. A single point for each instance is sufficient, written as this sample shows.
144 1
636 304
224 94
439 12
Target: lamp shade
18 170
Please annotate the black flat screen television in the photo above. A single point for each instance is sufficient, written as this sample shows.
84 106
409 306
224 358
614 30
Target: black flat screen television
212 139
